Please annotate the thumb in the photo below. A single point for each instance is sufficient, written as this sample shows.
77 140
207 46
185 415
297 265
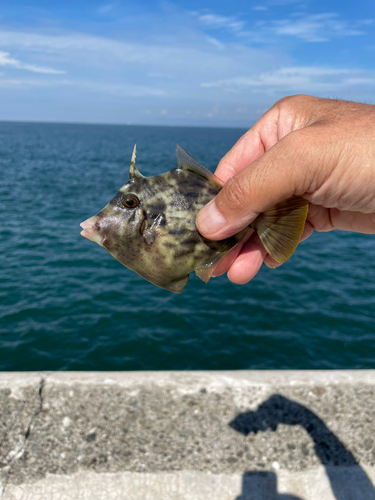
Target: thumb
283 171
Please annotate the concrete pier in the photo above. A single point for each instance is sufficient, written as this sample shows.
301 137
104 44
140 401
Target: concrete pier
239 435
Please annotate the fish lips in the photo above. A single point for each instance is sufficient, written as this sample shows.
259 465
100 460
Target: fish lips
91 230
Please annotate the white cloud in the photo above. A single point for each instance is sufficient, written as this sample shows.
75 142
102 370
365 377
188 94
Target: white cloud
126 90
285 2
309 28
156 74
315 28
215 42
90 49
103 9
73 43
133 75
135 58
360 81
214 111
242 110
109 89
296 79
216 21
5 60
365 22
11 83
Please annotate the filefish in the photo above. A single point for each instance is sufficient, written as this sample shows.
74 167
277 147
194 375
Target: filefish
149 225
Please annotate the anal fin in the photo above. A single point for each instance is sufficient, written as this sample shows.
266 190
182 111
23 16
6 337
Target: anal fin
178 286
205 273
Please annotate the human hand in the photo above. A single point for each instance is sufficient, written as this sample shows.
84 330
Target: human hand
320 149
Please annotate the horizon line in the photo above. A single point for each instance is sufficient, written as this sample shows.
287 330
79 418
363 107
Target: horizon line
46 122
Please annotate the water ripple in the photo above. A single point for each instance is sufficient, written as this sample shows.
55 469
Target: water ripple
66 304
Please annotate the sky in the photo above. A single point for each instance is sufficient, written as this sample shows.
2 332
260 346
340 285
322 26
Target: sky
196 63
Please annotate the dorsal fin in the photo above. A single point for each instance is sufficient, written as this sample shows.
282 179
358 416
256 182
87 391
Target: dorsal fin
187 162
134 172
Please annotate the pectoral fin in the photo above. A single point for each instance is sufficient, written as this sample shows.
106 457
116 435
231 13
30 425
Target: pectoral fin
148 233
149 236
280 228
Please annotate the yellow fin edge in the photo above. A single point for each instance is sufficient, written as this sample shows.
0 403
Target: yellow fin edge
280 228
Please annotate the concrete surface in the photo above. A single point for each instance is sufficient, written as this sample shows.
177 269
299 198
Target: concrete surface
246 435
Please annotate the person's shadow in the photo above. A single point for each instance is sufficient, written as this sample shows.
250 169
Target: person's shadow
262 486
330 451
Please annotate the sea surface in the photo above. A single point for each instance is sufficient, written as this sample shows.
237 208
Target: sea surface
65 304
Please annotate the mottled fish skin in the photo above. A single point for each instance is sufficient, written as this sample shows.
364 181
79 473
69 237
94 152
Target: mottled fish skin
158 239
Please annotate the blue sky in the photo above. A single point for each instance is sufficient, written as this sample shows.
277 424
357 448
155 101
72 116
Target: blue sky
211 63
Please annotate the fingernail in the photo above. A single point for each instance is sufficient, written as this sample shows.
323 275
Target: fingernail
210 220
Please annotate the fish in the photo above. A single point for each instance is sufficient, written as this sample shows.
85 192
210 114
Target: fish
149 225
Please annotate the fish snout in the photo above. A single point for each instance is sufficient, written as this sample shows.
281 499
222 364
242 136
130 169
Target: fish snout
91 230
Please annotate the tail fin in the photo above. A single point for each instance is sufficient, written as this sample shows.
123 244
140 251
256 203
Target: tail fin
280 228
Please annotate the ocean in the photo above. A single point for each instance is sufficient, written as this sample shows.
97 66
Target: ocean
65 304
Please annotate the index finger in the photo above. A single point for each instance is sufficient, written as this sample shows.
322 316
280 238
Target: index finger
256 141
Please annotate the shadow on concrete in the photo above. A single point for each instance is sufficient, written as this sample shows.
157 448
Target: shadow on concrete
330 451
262 486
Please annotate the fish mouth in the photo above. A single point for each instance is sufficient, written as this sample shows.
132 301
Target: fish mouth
91 230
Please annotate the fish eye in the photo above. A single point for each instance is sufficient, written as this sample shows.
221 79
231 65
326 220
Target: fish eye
130 201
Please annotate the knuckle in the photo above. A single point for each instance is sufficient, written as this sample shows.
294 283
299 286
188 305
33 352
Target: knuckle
284 101
235 194
296 105
295 111
294 100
